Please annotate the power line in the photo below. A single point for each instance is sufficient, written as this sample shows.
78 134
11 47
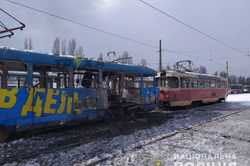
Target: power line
92 27
191 27
81 24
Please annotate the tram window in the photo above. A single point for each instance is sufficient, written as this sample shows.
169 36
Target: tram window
15 81
86 79
77 80
148 82
207 84
172 82
213 84
223 84
137 85
163 82
131 88
132 83
220 84
201 84
50 80
185 83
198 84
194 84
13 74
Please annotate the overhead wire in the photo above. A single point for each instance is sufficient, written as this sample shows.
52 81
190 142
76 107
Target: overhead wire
91 27
80 24
192 27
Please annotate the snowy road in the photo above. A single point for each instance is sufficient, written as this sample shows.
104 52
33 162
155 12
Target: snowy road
224 131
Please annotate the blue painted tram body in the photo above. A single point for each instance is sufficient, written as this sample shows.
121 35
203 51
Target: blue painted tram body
40 89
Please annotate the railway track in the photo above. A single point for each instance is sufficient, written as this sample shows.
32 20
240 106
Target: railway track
65 140
71 138
170 135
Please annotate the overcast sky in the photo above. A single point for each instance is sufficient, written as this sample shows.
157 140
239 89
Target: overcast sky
227 20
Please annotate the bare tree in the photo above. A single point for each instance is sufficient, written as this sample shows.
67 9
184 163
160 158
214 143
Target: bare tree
56 47
202 70
79 52
144 62
26 44
223 74
100 58
72 47
30 44
126 59
63 47
168 67
233 79
248 80
242 80
216 73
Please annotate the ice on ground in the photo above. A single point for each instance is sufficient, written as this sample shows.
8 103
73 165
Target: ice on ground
155 143
209 144
239 98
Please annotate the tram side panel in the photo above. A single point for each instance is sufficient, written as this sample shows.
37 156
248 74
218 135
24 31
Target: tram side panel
185 88
28 108
208 95
185 97
176 97
151 97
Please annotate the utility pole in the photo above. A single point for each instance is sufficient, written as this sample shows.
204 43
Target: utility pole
227 69
160 57
227 66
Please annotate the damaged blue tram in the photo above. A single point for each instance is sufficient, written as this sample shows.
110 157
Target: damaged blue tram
39 90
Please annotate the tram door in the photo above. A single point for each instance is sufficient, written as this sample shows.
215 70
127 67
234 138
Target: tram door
185 93
179 93
102 92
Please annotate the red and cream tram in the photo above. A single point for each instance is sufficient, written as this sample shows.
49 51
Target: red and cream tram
186 88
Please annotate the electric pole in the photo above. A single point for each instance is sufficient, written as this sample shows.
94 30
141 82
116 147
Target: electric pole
227 66
160 57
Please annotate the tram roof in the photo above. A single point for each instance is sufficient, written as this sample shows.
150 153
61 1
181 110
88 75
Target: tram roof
193 75
116 68
205 76
29 57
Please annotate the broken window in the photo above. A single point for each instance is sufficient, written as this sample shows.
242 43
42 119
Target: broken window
172 82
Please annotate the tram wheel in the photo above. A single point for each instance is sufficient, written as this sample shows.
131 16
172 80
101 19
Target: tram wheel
221 100
4 134
196 103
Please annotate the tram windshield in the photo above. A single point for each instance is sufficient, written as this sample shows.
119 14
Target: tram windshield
170 82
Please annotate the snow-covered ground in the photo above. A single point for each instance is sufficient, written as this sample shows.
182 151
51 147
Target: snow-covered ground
239 97
162 144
